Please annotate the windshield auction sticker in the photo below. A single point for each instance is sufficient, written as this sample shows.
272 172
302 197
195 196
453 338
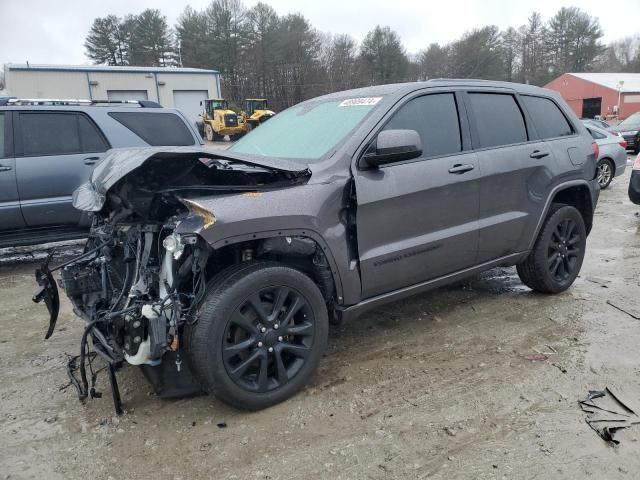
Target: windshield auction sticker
356 102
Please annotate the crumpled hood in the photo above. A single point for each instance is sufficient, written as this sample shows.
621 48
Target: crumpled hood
120 162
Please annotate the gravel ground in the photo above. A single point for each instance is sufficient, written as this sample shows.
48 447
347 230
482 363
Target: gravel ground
437 386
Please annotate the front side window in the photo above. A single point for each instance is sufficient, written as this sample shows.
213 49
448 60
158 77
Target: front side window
549 121
435 118
499 120
306 132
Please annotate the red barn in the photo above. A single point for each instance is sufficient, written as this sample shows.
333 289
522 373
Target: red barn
591 94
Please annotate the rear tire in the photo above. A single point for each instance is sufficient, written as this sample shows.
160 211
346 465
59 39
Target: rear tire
261 332
604 172
556 258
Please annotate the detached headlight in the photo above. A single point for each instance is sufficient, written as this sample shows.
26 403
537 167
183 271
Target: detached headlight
173 244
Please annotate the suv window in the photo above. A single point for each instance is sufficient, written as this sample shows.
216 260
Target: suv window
499 120
157 129
91 139
596 135
550 122
50 133
435 118
3 153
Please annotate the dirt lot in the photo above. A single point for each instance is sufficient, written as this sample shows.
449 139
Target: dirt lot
437 386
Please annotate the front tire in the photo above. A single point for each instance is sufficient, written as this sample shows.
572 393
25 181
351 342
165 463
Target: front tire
557 255
261 332
208 130
604 172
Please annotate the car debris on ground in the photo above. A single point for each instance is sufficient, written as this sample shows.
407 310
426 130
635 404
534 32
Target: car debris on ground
607 414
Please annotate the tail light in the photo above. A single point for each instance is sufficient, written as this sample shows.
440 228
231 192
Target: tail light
623 143
636 164
596 149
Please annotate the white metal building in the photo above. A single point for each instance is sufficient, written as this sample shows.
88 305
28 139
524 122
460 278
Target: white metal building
181 88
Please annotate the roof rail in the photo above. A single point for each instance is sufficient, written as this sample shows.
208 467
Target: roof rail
10 101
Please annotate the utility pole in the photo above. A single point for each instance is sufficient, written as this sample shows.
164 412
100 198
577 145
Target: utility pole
620 85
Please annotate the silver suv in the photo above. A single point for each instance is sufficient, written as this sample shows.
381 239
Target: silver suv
48 148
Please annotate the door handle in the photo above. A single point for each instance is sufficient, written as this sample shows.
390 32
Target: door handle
91 160
538 154
4 168
459 168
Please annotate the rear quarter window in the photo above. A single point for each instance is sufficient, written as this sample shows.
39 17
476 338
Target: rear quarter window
157 129
549 121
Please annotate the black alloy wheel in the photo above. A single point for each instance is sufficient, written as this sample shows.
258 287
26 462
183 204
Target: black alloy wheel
555 260
268 338
261 332
563 250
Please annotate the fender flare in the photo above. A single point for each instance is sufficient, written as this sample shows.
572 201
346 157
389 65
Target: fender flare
298 232
551 196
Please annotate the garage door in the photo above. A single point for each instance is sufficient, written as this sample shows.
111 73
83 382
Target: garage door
127 95
188 101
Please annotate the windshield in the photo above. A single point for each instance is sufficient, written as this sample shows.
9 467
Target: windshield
222 104
632 120
306 132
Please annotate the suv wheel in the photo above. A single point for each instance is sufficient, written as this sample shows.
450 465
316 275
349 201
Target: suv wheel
604 171
556 258
261 332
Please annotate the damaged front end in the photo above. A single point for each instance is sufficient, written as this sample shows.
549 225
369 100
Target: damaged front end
145 266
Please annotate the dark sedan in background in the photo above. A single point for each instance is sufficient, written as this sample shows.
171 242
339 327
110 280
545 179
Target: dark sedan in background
630 131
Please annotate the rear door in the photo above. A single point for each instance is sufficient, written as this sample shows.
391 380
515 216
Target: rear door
10 216
417 220
56 154
517 172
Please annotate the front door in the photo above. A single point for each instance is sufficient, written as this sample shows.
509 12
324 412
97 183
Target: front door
417 220
56 154
10 216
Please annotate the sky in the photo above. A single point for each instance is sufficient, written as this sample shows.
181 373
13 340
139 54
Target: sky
53 31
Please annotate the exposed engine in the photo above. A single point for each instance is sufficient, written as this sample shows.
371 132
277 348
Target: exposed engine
141 278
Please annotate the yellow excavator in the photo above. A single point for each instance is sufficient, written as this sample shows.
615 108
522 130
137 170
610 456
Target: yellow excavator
255 112
218 120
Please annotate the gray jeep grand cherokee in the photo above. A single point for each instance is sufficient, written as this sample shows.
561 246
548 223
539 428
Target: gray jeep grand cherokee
219 272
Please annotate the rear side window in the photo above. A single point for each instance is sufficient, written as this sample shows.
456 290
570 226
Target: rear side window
157 129
550 122
435 118
596 135
499 120
91 140
50 133
3 147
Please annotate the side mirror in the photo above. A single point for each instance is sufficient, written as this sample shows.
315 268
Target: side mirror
394 146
